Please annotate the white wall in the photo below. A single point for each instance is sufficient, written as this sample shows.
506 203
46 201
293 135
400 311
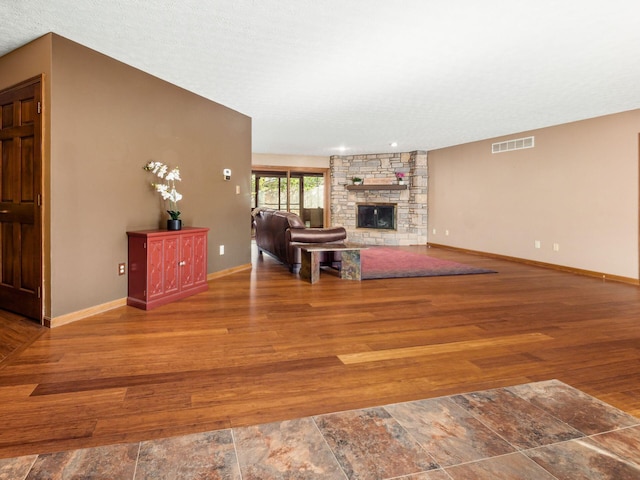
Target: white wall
578 188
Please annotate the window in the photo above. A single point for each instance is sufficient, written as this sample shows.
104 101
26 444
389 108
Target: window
300 192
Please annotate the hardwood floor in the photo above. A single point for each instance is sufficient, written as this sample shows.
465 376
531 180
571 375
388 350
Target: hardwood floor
16 333
261 345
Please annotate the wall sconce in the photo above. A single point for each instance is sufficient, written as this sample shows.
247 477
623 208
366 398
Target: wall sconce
227 173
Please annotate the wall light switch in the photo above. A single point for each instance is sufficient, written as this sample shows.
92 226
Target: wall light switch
237 189
221 249
537 244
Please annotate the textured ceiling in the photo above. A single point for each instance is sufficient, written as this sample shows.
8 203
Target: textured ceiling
317 75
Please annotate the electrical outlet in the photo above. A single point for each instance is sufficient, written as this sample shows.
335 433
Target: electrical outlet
122 268
446 233
221 249
556 247
434 231
537 244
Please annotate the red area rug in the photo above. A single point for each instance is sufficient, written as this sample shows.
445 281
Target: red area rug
382 262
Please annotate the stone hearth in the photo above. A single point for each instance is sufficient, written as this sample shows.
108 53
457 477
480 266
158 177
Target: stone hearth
411 213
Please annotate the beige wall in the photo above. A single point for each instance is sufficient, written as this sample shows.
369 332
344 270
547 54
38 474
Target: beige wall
107 120
309 161
34 59
578 188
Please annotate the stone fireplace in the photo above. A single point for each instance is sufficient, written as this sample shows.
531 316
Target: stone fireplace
380 187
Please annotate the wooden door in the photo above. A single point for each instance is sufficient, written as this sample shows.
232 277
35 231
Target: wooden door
21 199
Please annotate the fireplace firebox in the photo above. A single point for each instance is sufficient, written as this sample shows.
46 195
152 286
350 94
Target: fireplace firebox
377 215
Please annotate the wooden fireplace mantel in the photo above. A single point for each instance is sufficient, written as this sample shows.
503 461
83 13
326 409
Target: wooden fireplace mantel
377 187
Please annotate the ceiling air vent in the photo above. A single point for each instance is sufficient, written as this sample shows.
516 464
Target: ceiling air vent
517 144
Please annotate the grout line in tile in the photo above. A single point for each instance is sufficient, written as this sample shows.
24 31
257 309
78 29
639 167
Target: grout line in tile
135 467
235 450
324 439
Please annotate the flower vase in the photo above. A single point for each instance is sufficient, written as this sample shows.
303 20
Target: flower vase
174 224
400 182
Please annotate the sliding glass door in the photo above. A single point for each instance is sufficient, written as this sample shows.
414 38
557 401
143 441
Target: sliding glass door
300 192
312 191
269 191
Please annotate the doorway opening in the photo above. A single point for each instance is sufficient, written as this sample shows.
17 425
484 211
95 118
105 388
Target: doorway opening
300 191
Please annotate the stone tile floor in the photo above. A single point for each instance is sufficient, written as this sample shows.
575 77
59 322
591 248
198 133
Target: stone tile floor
537 431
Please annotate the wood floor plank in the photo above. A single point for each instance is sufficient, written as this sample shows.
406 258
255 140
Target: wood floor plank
262 345
438 349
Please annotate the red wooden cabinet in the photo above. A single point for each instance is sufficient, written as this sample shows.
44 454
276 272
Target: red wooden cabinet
166 265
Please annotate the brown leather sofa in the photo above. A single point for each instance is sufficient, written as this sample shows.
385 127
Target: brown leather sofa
276 230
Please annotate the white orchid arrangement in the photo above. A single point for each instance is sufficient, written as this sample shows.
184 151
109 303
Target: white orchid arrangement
166 190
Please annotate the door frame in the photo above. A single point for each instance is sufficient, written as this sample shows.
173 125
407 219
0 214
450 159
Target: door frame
288 171
39 131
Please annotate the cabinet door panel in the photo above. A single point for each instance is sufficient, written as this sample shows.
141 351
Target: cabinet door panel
186 269
155 268
171 265
200 258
